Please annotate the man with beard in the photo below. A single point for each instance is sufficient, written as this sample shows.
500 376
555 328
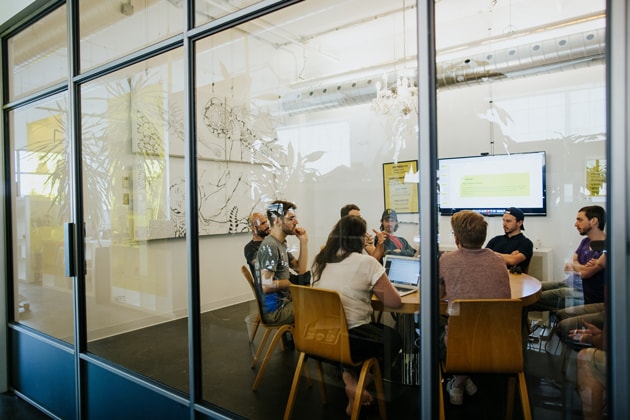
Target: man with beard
275 262
588 264
395 245
515 249
259 225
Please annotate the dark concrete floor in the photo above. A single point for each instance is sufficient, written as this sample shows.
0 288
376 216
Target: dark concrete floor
160 352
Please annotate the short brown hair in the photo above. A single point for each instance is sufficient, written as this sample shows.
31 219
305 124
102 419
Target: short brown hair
470 228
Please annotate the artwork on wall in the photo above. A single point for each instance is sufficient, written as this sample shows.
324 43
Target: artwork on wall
400 195
595 182
239 165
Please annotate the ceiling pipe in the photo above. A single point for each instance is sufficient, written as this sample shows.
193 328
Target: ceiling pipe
522 59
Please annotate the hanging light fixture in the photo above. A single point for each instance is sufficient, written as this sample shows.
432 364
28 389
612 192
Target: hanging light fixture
402 98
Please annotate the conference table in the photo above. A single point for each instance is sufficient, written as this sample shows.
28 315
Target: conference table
523 286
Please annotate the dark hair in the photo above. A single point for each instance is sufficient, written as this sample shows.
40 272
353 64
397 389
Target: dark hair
595 211
346 237
279 208
470 228
345 210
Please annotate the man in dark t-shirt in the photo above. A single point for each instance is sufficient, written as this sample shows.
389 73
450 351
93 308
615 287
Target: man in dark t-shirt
515 249
259 225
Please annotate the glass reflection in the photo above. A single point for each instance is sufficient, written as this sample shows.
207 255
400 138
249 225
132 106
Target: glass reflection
137 297
512 80
39 141
110 30
287 109
38 55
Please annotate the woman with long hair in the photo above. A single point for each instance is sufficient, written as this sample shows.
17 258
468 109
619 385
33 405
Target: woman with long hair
343 266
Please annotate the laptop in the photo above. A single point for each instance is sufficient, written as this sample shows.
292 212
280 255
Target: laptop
403 272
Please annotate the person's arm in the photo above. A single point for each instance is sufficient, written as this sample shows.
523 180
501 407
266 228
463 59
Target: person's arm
378 249
299 264
589 269
386 292
515 258
269 285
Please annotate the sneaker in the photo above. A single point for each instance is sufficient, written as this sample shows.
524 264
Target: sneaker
471 388
456 395
287 341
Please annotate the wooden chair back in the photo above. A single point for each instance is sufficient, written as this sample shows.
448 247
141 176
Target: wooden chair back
321 332
320 324
277 329
484 335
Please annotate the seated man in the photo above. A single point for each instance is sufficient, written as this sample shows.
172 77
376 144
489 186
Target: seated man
393 244
515 249
275 262
588 265
259 225
471 272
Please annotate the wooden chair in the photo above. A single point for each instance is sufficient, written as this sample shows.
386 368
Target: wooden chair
250 281
321 333
278 330
485 336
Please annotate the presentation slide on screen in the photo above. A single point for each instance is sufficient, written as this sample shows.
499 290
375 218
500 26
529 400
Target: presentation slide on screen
492 181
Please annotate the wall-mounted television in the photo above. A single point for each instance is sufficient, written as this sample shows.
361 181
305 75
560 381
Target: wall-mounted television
489 184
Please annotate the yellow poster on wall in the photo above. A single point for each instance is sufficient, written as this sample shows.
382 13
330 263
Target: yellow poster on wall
400 195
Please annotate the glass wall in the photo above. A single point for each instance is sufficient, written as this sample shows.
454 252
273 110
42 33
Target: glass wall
38 55
131 122
514 82
316 104
287 109
41 205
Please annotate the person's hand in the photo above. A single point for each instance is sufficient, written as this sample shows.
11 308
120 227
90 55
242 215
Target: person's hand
301 234
380 236
586 334
369 240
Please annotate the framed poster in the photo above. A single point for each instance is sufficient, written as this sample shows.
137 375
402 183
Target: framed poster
400 196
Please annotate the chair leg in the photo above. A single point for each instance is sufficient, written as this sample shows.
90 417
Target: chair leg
322 385
255 329
380 392
509 409
356 407
261 347
288 411
527 413
441 394
277 336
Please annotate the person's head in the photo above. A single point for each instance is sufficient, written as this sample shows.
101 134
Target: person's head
259 225
389 221
351 209
282 217
590 217
346 237
513 221
469 228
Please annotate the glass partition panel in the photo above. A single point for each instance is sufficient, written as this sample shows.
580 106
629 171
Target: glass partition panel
517 80
41 167
313 105
38 55
136 257
209 10
110 30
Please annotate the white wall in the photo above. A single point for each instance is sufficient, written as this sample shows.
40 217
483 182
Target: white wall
461 132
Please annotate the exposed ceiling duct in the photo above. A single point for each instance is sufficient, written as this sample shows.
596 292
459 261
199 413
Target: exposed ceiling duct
522 57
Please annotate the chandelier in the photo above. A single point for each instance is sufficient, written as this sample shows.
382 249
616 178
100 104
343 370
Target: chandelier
400 100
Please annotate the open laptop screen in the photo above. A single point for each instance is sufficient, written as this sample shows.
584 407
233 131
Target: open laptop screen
403 270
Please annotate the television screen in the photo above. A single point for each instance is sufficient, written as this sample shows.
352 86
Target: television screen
490 184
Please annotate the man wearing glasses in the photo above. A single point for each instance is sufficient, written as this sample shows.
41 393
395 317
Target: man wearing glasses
275 262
